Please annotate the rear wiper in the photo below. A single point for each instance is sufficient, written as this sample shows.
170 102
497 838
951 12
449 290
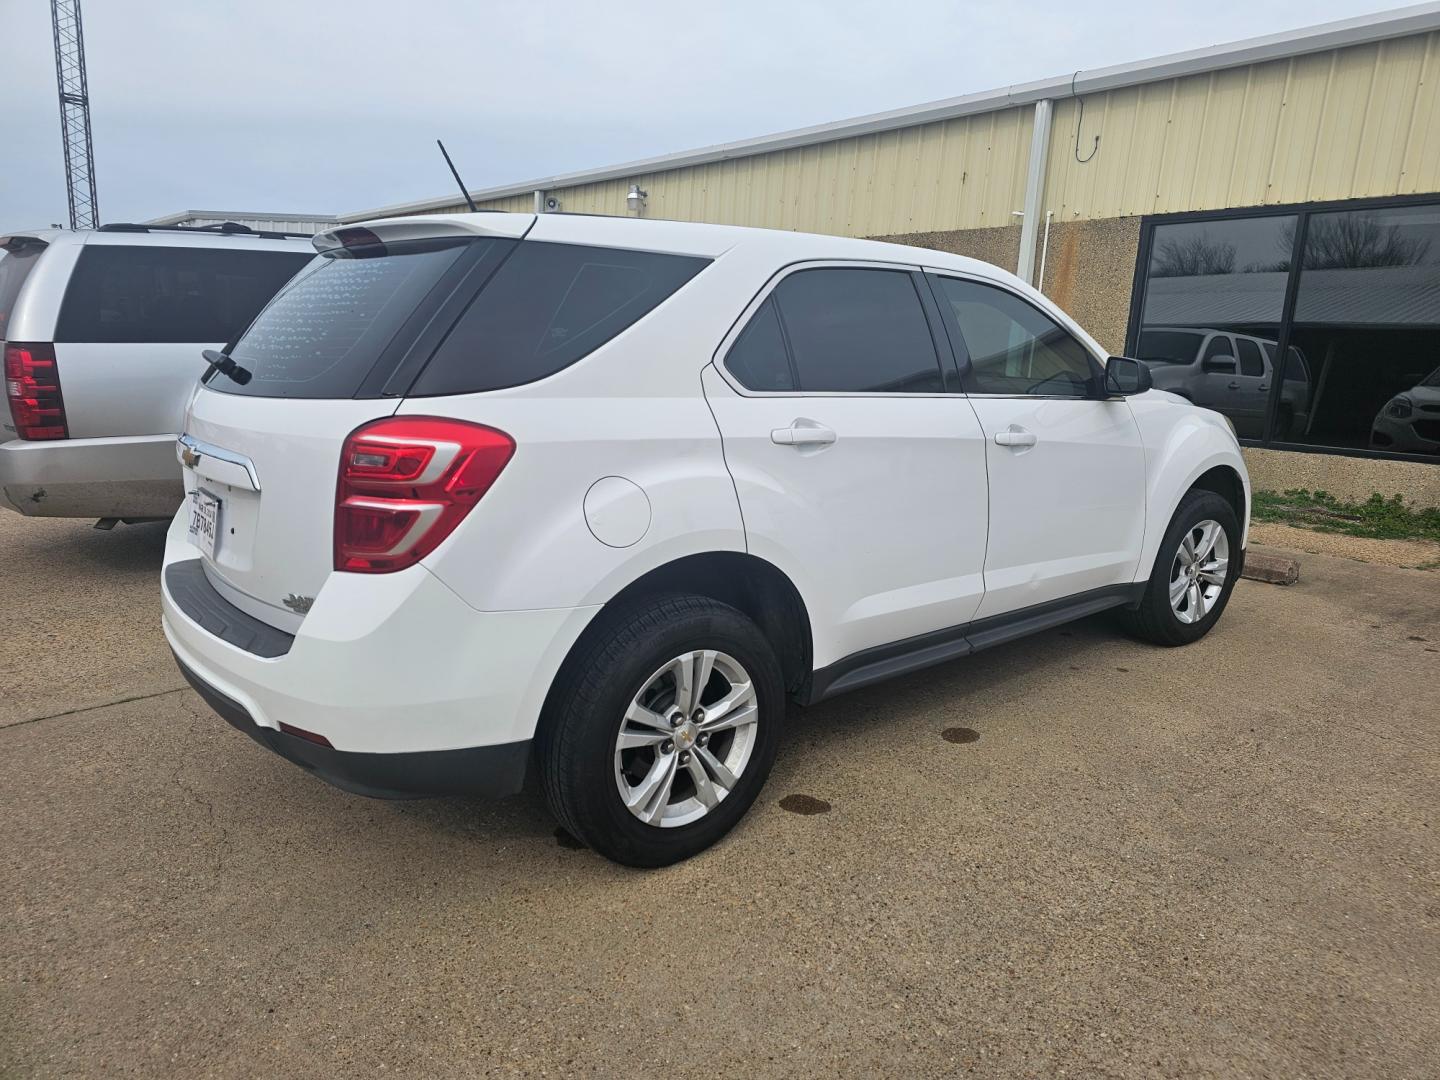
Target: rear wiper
221 362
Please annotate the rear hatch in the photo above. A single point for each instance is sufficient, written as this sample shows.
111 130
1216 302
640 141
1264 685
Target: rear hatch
290 457
331 352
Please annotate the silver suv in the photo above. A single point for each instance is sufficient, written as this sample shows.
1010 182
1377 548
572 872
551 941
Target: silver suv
102 333
1230 373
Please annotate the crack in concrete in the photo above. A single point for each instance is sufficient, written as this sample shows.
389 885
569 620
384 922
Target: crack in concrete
91 708
222 843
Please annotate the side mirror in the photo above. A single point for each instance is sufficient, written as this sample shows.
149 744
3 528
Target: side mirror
1125 376
1220 365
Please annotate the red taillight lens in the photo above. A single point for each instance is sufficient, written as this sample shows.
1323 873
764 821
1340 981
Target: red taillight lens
32 386
405 483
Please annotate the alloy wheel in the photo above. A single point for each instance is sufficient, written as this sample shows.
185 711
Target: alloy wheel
686 738
1197 576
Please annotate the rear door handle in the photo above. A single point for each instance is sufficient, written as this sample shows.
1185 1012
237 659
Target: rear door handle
1234 386
1015 437
803 432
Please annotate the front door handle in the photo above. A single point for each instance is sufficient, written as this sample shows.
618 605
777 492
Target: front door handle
1234 386
803 432
1264 387
1015 437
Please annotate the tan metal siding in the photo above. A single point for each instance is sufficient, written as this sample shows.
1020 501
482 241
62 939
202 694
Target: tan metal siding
1347 123
962 173
1343 124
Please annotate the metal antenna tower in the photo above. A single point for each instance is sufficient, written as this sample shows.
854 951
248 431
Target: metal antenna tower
74 113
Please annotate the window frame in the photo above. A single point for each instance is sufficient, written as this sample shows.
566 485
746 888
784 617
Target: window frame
939 338
962 353
1302 213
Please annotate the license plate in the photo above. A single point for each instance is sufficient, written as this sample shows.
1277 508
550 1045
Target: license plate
204 521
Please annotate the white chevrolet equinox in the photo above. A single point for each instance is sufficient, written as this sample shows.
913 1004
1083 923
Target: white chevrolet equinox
488 496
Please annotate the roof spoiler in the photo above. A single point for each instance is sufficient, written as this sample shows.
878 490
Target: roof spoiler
22 243
424 227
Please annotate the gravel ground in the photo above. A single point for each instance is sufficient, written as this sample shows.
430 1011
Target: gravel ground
1071 855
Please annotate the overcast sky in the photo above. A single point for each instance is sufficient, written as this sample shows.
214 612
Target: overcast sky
328 106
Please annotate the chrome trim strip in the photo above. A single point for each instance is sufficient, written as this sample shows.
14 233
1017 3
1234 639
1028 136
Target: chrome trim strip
219 453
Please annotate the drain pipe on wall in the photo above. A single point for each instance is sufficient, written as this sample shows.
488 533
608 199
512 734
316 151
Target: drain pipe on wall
1034 190
1044 250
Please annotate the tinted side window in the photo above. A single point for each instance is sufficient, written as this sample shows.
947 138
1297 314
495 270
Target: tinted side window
548 306
758 357
1014 347
160 294
858 330
1250 360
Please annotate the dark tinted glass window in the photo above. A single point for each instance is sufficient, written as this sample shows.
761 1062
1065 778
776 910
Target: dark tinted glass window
1251 362
324 332
546 307
758 357
14 268
856 330
1366 333
1169 346
162 294
1014 347
1216 275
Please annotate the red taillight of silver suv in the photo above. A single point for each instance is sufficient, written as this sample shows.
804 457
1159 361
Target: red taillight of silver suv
405 483
32 386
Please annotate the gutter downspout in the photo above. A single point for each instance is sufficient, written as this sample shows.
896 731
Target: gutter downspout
1034 190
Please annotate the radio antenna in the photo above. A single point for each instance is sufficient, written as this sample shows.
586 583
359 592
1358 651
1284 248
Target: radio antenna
455 173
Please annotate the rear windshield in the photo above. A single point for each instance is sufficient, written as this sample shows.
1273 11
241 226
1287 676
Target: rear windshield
548 306
14 267
170 294
323 333
345 325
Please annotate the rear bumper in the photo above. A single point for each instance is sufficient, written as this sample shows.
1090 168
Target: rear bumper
416 691
126 477
491 771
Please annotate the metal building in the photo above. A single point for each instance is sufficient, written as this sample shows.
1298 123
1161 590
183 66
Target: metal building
1259 220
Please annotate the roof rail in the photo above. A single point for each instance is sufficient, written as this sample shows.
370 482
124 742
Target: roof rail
227 228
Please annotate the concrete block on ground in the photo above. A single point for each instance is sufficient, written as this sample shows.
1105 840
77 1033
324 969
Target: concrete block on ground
1273 569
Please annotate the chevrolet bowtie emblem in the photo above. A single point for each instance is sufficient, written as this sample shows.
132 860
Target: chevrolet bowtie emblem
189 457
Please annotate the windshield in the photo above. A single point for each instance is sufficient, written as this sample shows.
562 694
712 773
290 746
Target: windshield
1433 379
324 332
1169 346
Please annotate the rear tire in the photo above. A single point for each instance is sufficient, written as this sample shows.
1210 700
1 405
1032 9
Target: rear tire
1181 605
620 771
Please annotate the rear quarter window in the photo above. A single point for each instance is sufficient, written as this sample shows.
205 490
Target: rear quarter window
548 306
169 294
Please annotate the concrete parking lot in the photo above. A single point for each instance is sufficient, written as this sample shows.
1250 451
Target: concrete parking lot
1072 855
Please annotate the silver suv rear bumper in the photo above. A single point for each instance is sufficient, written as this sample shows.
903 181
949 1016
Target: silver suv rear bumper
133 476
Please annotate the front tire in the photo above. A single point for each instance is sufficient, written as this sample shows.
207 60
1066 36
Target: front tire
662 729
1194 573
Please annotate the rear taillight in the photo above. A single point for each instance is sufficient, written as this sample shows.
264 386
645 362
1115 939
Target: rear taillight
32 386
405 483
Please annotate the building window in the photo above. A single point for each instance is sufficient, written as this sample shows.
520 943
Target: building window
1367 323
1214 296
1350 298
